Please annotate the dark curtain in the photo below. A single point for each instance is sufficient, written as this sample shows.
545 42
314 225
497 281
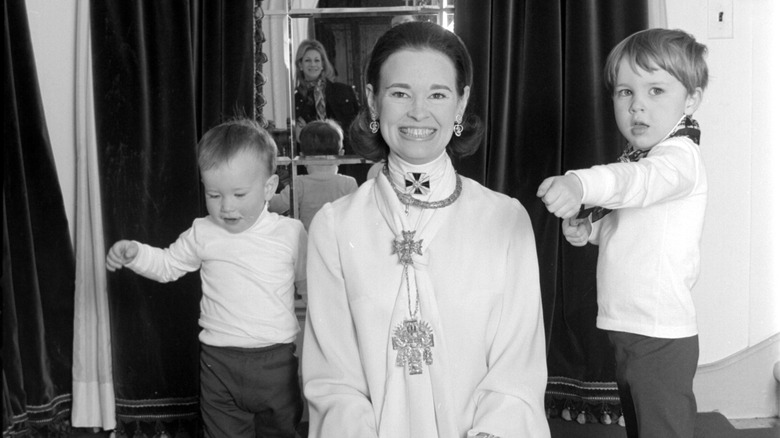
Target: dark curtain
38 264
165 72
538 88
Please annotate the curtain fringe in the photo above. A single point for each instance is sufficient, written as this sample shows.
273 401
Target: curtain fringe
584 411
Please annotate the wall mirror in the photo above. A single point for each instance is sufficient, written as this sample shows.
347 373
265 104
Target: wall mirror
347 29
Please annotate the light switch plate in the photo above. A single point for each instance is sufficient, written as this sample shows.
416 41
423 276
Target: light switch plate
720 19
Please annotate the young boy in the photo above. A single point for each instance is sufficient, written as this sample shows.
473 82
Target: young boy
250 261
649 245
323 183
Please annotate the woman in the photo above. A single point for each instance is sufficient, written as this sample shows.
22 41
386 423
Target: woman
424 303
317 96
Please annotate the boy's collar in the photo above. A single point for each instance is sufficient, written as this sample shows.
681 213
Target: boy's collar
685 127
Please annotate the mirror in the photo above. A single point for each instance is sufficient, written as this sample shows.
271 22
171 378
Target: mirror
346 28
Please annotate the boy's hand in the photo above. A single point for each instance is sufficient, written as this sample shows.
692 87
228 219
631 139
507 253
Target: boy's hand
562 195
576 231
122 253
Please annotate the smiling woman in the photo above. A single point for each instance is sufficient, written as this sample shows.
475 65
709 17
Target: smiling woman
387 350
417 104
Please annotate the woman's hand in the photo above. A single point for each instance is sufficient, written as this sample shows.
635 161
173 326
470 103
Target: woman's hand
120 254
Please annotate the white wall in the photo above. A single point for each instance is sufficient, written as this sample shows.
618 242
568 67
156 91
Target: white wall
738 295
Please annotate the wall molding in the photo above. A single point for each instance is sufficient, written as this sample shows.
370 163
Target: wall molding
742 385
740 355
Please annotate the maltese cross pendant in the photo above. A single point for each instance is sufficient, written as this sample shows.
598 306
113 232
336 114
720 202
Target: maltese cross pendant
407 247
417 183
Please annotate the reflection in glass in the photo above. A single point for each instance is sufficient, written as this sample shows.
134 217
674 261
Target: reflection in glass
348 30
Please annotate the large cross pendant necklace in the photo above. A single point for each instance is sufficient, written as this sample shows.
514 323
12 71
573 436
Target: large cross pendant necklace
413 338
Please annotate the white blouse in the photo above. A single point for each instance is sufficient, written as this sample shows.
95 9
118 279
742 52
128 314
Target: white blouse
479 290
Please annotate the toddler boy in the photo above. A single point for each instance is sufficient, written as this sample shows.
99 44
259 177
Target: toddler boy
649 245
250 261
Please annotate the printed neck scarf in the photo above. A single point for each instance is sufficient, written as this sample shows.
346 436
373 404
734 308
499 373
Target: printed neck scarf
315 91
415 404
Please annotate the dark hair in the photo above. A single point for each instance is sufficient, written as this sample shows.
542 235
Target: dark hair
222 142
674 51
321 137
416 36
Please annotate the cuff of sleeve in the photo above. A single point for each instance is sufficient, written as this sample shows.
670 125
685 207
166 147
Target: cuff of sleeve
140 257
582 183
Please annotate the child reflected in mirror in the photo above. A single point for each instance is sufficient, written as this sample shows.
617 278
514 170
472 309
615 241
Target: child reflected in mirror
321 140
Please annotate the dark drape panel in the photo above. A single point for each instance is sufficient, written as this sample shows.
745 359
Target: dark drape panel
38 264
165 72
224 61
538 87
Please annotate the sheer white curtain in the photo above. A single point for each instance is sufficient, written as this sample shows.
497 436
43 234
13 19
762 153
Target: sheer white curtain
277 71
277 46
656 12
93 386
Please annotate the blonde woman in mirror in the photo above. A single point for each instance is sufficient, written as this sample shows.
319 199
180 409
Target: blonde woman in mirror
318 96
425 316
251 262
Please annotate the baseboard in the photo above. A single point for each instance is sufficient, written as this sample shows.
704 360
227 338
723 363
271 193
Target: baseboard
755 423
741 385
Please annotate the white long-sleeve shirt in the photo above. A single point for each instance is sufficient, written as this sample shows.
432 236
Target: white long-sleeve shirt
489 369
247 278
312 192
649 245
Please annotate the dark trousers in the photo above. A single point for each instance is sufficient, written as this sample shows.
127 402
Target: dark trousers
655 384
250 392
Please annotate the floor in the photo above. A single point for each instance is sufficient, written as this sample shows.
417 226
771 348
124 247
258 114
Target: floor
708 425
570 429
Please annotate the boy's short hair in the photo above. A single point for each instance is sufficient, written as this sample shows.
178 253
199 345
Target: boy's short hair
222 142
321 137
675 51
